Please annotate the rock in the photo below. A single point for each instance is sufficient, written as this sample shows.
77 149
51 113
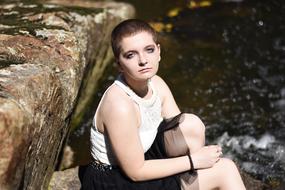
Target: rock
48 51
65 180
67 159
253 184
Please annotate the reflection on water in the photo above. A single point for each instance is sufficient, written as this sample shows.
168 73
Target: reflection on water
226 63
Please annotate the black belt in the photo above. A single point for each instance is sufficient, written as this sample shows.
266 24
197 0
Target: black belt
101 166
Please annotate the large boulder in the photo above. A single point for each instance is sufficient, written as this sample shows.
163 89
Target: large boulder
46 50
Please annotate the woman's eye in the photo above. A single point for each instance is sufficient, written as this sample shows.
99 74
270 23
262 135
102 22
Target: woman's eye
150 50
129 55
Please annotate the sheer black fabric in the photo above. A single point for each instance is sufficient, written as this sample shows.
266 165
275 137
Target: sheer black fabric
171 143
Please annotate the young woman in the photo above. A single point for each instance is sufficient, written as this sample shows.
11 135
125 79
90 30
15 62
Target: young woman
139 137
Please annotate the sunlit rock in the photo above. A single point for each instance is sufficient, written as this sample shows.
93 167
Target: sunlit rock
48 51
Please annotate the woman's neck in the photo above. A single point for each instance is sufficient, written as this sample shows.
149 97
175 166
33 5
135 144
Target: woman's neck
141 88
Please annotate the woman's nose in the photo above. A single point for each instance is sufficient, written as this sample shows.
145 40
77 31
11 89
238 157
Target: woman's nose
142 60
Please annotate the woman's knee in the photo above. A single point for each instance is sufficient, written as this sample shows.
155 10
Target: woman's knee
193 125
228 171
223 175
227 166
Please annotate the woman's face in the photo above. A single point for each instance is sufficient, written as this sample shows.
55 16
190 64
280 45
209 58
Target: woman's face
139 57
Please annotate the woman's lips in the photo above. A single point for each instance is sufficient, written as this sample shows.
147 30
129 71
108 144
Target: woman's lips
144 70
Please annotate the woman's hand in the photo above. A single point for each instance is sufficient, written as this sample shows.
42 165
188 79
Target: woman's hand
206 157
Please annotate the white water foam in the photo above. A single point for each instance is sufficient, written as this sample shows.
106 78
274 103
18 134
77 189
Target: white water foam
240 143
264 146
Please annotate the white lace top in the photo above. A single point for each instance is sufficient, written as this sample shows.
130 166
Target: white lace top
150 113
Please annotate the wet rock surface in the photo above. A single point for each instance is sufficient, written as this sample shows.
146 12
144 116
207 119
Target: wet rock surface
49 51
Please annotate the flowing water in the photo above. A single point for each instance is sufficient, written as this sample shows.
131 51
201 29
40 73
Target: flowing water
225 62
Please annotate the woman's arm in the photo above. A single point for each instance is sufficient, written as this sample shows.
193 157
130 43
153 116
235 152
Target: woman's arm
121 125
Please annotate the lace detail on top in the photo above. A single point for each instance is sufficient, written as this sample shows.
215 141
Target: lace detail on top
150 112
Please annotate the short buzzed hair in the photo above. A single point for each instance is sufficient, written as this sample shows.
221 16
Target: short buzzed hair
128 28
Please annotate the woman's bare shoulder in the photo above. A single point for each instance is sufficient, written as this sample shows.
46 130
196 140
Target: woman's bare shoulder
158 81
117 102
160 85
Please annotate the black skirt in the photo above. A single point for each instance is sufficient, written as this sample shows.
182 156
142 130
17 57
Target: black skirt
93 178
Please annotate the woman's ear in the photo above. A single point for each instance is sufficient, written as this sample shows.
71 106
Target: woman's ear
119 66
158 47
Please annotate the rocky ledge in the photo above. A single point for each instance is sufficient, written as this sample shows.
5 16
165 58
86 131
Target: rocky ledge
46 50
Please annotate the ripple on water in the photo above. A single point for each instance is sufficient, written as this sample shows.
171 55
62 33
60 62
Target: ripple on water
256 155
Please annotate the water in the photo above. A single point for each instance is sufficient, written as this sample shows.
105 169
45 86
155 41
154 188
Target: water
226 63
230 70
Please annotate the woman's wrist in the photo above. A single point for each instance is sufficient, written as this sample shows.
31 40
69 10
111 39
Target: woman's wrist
192 168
